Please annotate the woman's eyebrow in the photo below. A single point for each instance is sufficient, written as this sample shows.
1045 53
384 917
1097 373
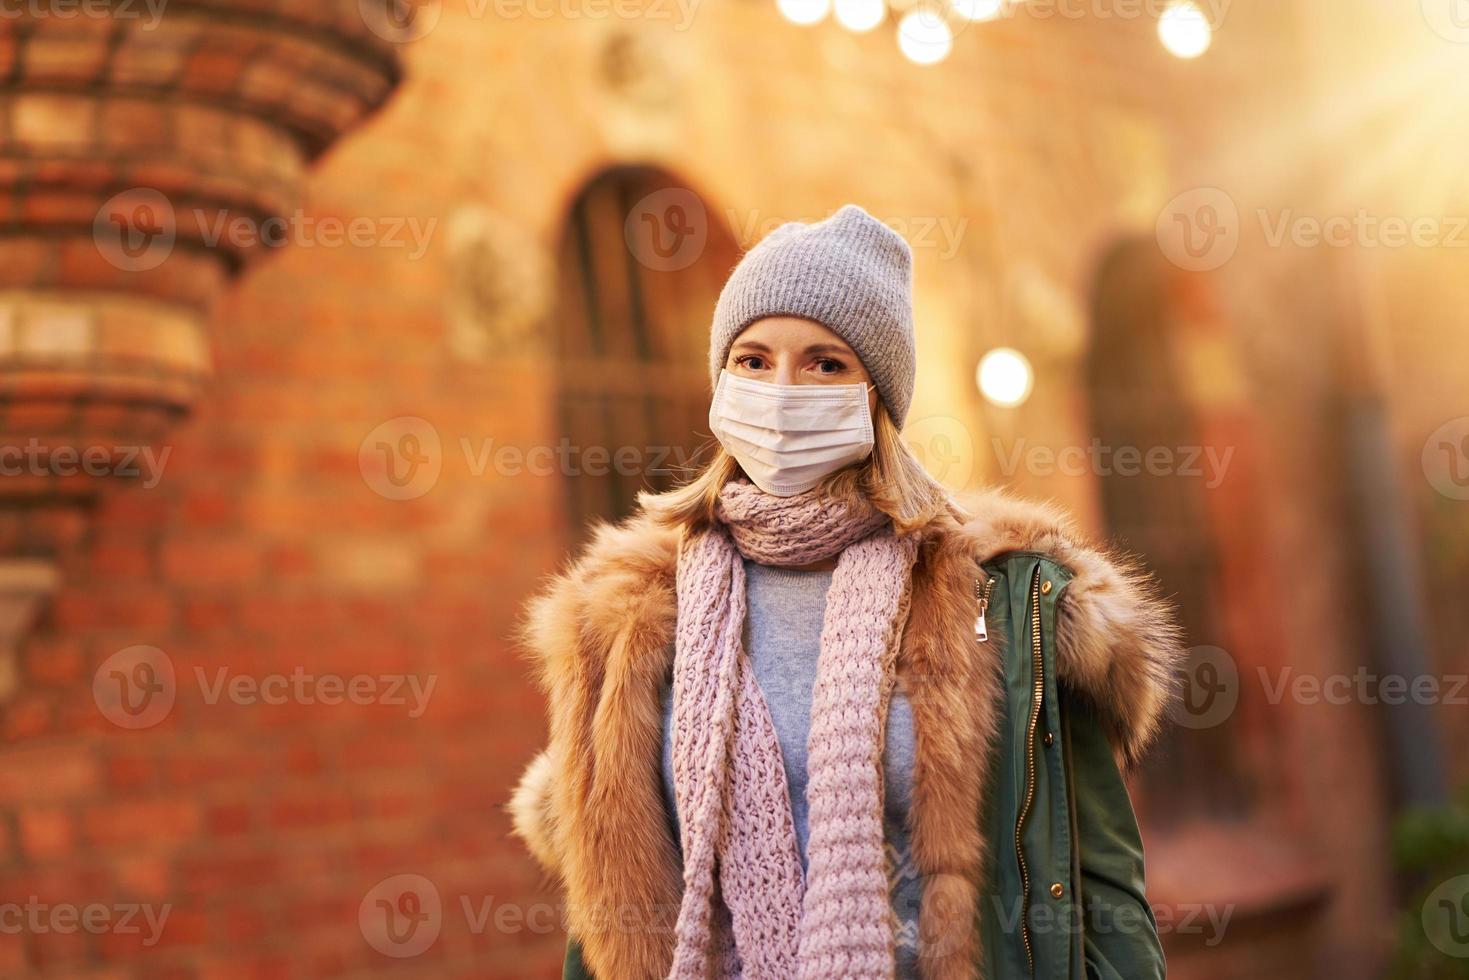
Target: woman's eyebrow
752 345
829 349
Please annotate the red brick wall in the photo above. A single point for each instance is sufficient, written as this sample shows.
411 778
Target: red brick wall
267 548
263 550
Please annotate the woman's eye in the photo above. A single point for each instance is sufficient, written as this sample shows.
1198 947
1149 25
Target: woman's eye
751 362
828 366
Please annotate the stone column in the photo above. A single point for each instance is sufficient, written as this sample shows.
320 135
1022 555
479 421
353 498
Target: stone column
143 147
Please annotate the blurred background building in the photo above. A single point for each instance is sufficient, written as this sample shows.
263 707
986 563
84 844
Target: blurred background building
1212 257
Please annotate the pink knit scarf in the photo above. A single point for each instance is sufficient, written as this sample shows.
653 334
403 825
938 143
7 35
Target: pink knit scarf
748 911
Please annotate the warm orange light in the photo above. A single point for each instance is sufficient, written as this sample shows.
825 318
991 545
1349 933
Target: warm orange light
1005 377
924 36
1184 30
804 11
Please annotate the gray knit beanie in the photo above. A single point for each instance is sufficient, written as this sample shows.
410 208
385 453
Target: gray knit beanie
852 274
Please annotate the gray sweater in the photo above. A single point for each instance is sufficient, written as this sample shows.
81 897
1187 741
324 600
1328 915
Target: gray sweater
782 638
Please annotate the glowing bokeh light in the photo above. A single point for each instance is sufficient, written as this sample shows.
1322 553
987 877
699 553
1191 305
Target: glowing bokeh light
979 10
860 15
1005 377
924 37
804 11
1184 30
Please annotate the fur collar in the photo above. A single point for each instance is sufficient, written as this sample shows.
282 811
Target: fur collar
590 806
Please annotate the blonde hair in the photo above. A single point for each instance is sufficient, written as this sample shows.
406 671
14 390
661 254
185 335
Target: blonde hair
891 478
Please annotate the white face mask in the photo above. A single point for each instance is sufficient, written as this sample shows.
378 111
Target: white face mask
787 437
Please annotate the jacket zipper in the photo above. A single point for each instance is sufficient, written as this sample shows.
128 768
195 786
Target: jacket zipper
1038 668
982 590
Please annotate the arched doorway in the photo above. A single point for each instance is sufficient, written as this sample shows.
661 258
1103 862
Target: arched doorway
1161 384
641 261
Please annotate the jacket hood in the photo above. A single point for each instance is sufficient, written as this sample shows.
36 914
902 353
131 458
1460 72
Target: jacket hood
1117 640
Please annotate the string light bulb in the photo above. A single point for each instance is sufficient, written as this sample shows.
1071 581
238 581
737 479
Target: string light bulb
924 36
979 10
1005 377
804 12
1184 30
860 16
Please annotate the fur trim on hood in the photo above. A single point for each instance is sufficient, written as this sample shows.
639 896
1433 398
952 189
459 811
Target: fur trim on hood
590 806
1117 641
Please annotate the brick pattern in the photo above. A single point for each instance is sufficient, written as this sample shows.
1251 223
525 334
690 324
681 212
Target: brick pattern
264 549
134 148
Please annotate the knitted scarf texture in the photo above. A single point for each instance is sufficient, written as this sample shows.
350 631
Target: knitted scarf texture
748 910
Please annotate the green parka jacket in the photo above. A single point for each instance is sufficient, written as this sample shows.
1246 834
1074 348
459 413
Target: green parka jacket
1024 725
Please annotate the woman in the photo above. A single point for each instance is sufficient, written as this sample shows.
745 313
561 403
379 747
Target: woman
811 717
